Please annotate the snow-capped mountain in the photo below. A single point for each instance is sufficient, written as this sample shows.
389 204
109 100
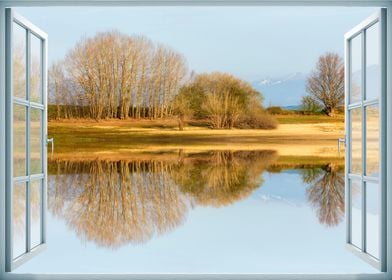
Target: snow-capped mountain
282 91
279 80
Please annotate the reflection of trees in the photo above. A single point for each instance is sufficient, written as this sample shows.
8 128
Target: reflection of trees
117 202
19 208
326 193
35 73
222 177
114 203
19 69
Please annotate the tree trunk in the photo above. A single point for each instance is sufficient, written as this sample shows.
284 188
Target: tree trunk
331 112
180 123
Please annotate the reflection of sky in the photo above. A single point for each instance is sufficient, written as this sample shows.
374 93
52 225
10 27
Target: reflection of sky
256 235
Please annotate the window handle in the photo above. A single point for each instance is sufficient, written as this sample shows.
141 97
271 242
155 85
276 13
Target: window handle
341 140
51 140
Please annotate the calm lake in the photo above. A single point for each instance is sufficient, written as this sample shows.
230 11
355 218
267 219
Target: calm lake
207 212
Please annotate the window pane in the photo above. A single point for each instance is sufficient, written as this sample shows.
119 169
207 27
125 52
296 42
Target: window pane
372 218
35 202
35 141
356 213
356 141
356 69
19 219
372 140
19 61
19 139
35 76
373 68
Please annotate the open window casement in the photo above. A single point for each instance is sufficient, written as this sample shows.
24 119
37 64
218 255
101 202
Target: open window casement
365 109
26 130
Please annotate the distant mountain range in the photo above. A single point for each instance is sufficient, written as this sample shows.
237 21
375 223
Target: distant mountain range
286 91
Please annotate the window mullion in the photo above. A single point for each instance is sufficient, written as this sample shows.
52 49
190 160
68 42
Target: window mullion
363 97
28 167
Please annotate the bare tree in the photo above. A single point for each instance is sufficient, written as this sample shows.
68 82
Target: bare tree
326 83
56 83
182 108
61 92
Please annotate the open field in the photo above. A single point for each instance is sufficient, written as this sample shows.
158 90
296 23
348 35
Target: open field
116 138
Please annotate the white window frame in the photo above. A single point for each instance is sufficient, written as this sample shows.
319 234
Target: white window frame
351 3
361 29
14 18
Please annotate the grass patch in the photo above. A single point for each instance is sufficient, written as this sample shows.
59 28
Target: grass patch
303 119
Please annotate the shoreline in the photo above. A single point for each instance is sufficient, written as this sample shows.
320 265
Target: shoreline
114 138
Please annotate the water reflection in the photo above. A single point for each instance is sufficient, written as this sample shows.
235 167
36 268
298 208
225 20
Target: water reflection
326 193
118 202
221 178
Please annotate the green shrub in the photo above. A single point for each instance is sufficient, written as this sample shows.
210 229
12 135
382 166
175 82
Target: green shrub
276 110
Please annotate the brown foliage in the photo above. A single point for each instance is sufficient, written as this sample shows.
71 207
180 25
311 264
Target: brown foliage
224 100
112 75
257 120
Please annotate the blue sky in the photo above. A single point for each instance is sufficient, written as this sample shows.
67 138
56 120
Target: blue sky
250 42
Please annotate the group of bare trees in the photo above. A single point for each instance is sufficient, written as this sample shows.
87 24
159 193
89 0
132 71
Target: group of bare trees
113 75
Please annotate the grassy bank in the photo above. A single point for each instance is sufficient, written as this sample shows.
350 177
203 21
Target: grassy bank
302 119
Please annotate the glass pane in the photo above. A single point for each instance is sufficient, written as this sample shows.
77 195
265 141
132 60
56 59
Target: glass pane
372 218
356 141
373 68
356 69
35 202
19 61
35 141
19 219
372 140
19 126
356 213
35 76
